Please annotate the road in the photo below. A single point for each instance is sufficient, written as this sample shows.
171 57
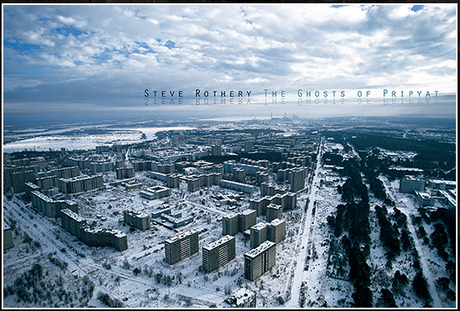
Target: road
298 273
39 228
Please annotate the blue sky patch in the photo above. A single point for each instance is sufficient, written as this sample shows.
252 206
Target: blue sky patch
169 44
66 31
416 8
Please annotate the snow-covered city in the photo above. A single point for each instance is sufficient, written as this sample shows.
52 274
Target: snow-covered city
273 213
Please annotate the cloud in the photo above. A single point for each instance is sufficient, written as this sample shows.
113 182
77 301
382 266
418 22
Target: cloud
108 54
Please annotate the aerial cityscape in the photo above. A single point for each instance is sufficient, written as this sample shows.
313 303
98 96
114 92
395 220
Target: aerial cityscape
229 156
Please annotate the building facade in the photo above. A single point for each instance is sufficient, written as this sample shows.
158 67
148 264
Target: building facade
276 230
230 224
77 226
259 260
409 184
218 253
79 184
136 220
181 246
50 207
259 234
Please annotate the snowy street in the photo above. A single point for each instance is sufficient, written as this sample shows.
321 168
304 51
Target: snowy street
299 274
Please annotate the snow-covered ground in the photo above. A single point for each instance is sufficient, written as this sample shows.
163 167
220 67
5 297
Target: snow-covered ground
301 266
73 140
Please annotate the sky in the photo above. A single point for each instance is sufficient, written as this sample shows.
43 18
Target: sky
65 63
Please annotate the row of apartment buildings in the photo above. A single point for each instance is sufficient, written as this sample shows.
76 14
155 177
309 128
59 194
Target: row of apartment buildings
78 227
287 201
218 253
233 223
50 207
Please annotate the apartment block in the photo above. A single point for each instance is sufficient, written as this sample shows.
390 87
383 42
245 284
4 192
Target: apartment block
77 226
276 230
230 224
29 187
262 177
172 180
124 172
287 201
79 184
15 177
47 182
181 246
238 174
297 178
246 219
273 211
140 166
218 253
137 220
236 186
50 207
259 260
259 234
193 184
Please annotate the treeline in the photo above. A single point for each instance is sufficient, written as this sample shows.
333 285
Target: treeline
351 227
32 288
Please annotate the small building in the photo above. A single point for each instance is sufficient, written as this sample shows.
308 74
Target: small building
7 236
410 184
424 198
157 192
243 298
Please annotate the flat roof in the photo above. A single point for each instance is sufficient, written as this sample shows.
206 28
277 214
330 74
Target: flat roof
248 212
73 215
259 249
181 236
259 226
276 222
219 242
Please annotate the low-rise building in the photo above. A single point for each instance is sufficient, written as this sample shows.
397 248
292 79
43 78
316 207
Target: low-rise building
157 192
243 298
7 236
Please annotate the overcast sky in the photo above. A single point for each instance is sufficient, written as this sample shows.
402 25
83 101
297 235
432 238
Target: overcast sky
96 61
